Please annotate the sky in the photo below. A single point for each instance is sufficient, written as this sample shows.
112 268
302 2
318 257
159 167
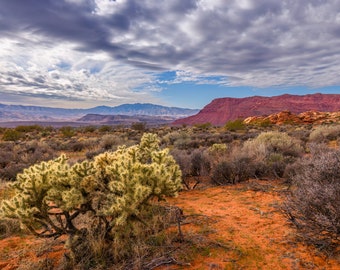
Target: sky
182 53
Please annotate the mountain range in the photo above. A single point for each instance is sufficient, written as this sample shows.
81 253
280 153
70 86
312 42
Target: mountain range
217 112
221 110
9 113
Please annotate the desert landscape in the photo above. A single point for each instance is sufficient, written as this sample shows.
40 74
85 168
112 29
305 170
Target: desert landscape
254 193
163 135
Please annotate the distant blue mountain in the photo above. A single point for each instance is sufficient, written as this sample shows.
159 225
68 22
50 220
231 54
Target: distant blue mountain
38 113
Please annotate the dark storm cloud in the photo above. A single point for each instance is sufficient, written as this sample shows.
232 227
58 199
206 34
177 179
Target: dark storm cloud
76 22
260 42
61 20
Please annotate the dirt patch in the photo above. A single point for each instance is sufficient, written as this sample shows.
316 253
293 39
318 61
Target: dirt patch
245 229
28 252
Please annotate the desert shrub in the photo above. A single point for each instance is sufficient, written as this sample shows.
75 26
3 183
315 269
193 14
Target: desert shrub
194 164
246 136
264 123
29 128
105 129
325 133
67 131
6 153
108 141
10 171
171 137
194 144
200 163
14 157
218 152
314 205
294 168
133 135
55 143
232 172
274 142
11 135
222 173
139 126
270 153
116 193
191 138
275 165
218 148
183 159
203 126
183 141
204 138
9 227
242 169
90 143
47 131
92 153
89 129
234 125
225 138
77 146
301 134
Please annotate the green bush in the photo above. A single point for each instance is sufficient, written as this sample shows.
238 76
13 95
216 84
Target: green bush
105 128
235 125
89 129
29 128
203 126
67 131
263 123
11 135
218 148
115 193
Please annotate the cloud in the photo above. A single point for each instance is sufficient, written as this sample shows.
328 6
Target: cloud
115 50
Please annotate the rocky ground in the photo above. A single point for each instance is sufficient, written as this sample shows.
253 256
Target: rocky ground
286 117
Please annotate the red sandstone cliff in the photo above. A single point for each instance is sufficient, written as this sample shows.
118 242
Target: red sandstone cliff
221 110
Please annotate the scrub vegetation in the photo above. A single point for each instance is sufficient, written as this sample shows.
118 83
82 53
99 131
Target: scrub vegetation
106 191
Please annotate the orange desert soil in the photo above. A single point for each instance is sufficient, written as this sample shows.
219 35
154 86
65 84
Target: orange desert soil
233 227
250 227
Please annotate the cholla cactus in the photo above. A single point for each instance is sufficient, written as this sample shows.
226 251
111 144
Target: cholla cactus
115 190
133 176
